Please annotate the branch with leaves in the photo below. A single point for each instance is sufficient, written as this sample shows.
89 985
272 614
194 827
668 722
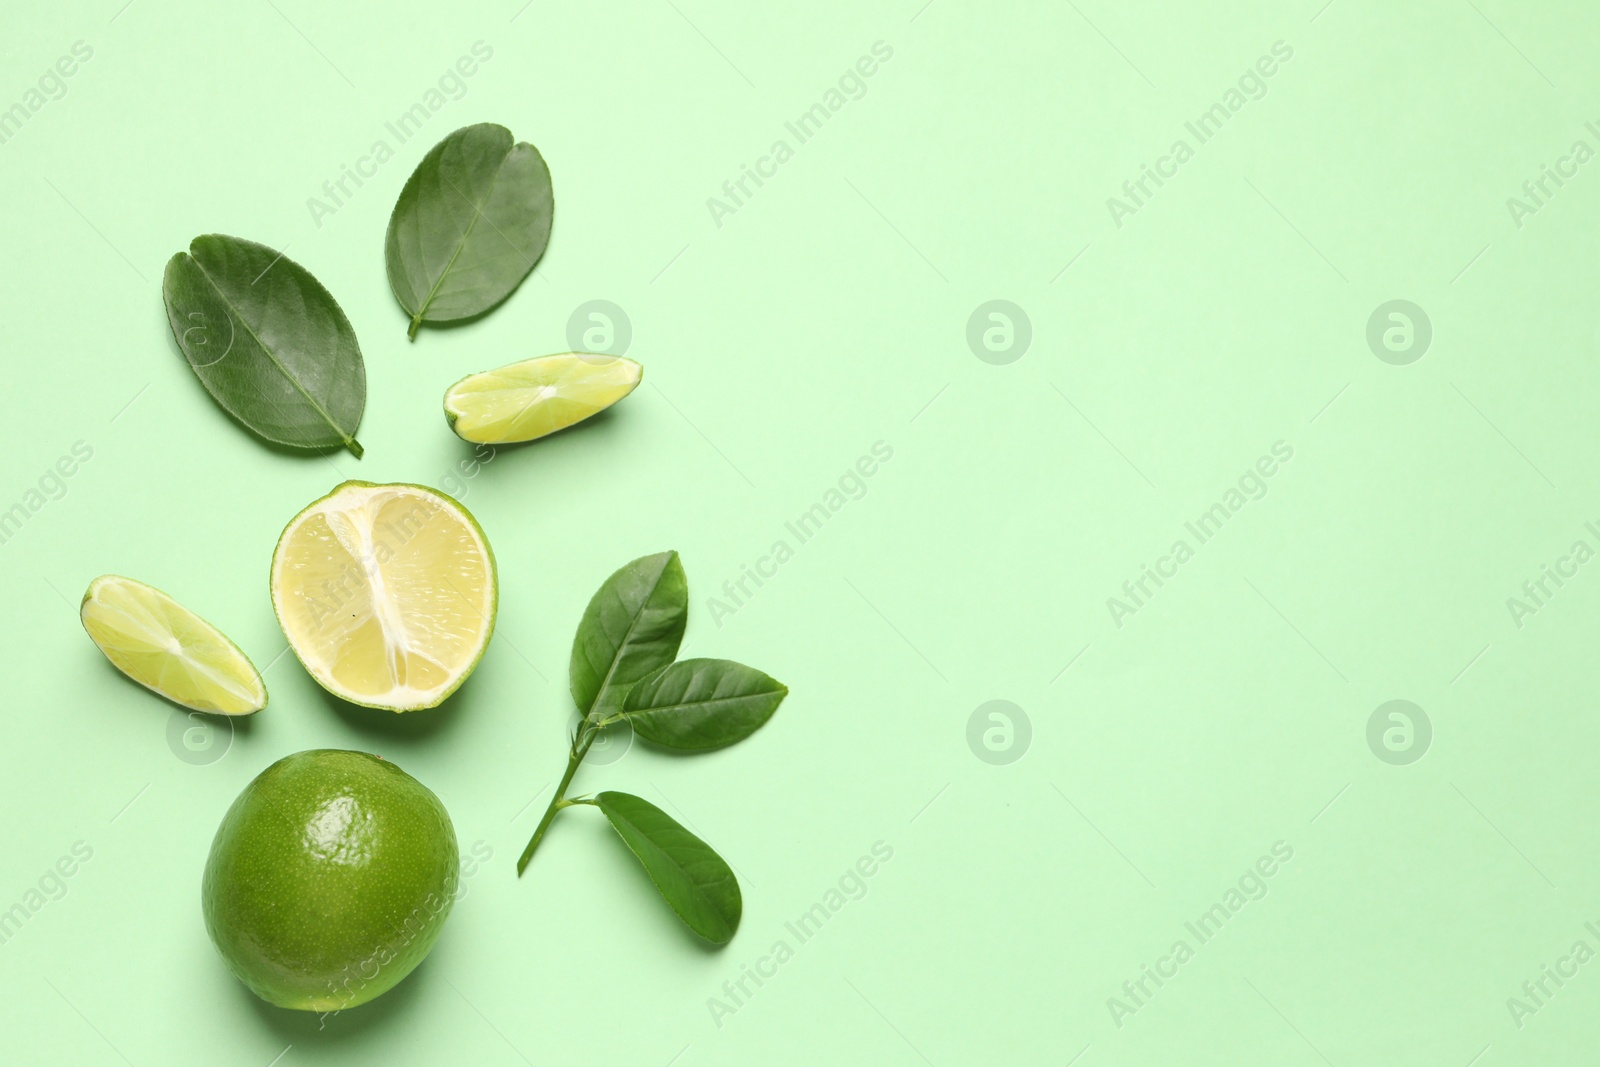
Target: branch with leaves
623 672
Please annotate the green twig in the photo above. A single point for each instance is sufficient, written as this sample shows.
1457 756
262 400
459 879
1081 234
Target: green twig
580 748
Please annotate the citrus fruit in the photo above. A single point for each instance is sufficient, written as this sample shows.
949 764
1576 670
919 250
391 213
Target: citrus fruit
169 649
329 879
526 400
386 593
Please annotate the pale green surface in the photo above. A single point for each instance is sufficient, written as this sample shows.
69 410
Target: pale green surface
789 340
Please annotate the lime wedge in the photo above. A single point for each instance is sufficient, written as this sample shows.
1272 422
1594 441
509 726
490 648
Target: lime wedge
169 649
527 400
386 593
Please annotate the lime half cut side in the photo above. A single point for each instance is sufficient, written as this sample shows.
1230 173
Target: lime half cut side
527 400
169 649
386 593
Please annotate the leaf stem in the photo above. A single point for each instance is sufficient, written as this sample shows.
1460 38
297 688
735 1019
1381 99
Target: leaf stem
411 331
354 446
580 748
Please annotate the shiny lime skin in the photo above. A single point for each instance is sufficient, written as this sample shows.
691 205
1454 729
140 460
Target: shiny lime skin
329 879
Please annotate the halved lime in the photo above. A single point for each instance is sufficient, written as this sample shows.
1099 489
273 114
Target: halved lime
386 593
527 400
169 649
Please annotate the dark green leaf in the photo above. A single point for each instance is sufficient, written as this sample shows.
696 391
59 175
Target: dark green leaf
470 224
267 341
702 704
692 878
632 626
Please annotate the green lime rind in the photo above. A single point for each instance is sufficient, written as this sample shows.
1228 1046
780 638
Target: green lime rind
329 879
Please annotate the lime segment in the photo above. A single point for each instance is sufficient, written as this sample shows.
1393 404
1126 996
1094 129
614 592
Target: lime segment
169 649
527 400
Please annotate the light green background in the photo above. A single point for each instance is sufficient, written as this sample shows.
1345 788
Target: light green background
829 312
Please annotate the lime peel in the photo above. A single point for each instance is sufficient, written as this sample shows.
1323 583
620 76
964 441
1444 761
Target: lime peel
329 879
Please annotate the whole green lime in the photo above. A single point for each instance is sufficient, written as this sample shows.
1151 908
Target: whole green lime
329 879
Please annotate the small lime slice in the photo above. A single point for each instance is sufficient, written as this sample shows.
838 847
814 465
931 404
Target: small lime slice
528 400
169 649
387 594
